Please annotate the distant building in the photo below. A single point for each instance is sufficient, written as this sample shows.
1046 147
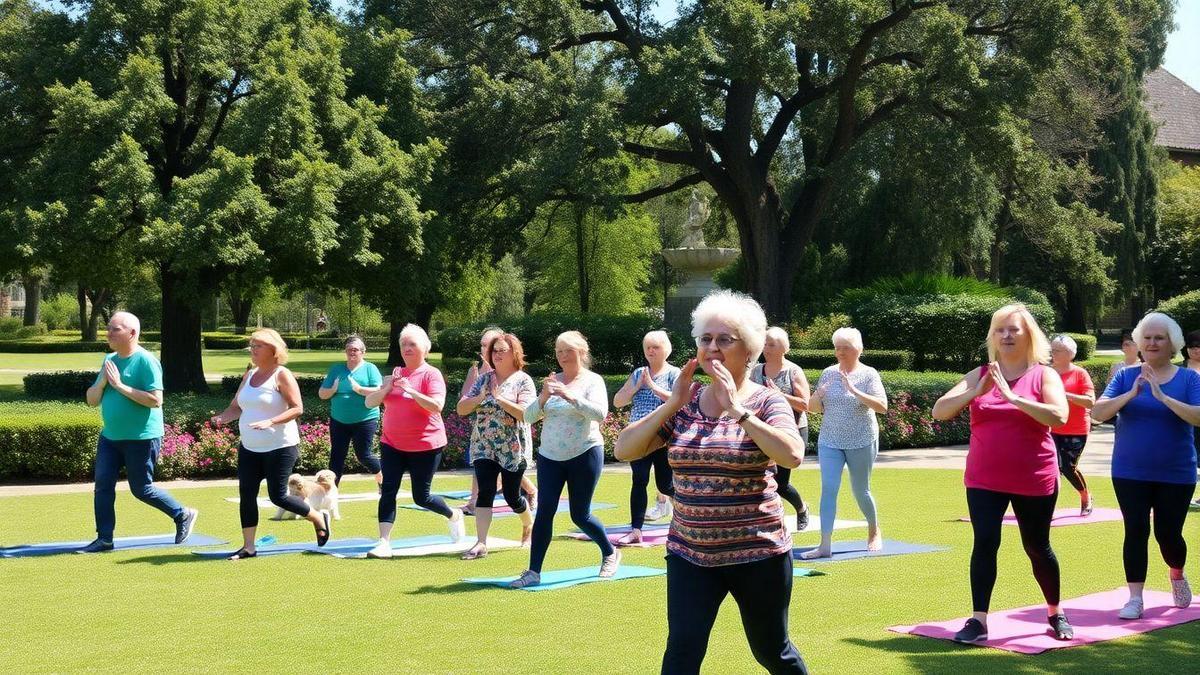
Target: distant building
1175 108
12 300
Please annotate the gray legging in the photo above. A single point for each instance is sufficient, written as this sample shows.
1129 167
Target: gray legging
860 461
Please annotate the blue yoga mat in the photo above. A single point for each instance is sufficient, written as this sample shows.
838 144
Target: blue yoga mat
805 572
344 547
648 528
503 511
119 544
853 550
552 581
361 549
454 494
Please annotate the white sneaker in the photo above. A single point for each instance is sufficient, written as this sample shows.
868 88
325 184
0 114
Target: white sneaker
1132 609
458 526
608 566
383 549
1181 592
667 510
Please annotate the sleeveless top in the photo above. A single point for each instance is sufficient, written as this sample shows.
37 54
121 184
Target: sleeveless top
783 380
262 403
1010 451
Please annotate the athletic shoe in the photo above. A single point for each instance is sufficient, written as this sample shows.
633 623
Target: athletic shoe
608 566
666 510
183 528
802 520
1181 592
97 546
1132 609
972 631
383 550
1086 509
527 578
458 527
1062 629
654 512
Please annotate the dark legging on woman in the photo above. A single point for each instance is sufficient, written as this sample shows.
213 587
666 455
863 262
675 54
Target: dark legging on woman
641 480
762 591
580 475
1070 447
1033 519
783 479
486 471
274 466
1169 502
362 435
421 466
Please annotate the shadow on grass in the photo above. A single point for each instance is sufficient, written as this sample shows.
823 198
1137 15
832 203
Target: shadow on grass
167 559
451 589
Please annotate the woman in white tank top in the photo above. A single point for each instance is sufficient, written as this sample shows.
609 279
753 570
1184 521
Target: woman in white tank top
267 406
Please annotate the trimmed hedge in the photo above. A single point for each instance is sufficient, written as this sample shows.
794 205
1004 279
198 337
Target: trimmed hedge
1085 345
44 347
1185 309
879 359
223 341
64 384
52 441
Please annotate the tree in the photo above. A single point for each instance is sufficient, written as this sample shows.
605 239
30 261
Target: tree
215 136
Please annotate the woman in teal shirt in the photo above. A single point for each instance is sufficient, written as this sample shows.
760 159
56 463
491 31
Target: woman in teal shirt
346 387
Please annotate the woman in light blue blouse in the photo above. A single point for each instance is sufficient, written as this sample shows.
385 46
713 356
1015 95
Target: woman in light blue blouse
646 389
573 402
849 394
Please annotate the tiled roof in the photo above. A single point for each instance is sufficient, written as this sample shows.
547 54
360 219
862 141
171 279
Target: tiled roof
1176 108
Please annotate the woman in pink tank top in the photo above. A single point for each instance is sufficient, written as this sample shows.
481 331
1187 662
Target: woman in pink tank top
1014 400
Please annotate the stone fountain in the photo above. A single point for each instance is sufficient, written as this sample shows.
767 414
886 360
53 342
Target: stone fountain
698 261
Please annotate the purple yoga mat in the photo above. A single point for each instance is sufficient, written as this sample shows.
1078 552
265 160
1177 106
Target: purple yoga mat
1064 517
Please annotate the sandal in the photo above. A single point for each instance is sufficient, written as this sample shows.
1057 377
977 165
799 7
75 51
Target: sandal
630 538
468 509
242 554
476 552
323 534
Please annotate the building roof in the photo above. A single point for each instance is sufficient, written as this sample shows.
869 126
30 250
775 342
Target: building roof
1176 108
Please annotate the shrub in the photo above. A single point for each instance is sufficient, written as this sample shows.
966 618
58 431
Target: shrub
1085 345
227 341
1098 368
1185 309
819 332
44 347
66 384
879 359
309 384
51 441
36 330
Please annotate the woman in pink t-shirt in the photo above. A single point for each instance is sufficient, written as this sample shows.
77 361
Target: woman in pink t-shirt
1071 438
413 436
1014 400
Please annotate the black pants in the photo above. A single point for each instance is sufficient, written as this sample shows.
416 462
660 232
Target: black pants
1033 519
1169 503
362 434
275 466
486 471
641 480
579 475
1069 449
762 591
421 466
783 478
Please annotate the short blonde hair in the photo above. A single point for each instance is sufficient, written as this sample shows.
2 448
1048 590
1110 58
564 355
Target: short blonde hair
1039 346
575 340
780 335
270 336
1174 332
738 310
661 337
851 336
417 335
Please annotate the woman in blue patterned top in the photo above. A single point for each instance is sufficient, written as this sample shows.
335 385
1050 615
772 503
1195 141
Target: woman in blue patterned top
647 388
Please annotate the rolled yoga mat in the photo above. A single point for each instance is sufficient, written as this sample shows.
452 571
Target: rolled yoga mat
119 544
556 579
853 550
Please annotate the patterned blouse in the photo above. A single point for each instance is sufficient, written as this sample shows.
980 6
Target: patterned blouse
646 401
847 423
785 380
571 429
727 510
496 435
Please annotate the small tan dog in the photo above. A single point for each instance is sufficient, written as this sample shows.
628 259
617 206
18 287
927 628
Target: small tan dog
320 493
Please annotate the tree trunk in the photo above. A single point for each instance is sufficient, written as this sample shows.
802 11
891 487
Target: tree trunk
98 299
394 359
770 266
33 298
581 267
1075 312
87 330
240 307
183 366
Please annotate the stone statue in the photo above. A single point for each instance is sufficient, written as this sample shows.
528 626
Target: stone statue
697 215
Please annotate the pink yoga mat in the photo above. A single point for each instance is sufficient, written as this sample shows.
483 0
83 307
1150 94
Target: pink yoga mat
1025 631
1064 517
650 538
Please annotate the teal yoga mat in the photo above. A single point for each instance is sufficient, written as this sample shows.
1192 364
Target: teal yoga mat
805 572
298 547
556 579
853 550
120 544
501 509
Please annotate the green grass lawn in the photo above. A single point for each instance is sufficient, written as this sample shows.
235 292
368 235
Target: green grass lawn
169 611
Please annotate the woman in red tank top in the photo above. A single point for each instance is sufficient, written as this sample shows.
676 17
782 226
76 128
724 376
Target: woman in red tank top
1014 400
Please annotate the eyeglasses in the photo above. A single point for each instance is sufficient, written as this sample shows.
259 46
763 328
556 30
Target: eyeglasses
723 341
500 351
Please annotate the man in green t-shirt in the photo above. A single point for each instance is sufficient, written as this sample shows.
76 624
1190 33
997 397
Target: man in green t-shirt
129 391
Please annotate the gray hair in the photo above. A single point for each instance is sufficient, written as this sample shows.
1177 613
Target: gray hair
661 337
1174 332
850 336
417 335
1066 341
130 320
780 335
351 339
738 310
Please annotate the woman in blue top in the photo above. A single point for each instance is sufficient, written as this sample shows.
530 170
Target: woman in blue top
647 388
1154 456
346 386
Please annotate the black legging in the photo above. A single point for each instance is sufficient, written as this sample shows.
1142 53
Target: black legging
362 435
486 471
1069 448
421 466
1169 502
762 591
580 475
641 481
783 478
1033 519
275 466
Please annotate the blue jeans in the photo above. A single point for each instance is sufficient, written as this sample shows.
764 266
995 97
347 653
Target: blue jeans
860 461
138 457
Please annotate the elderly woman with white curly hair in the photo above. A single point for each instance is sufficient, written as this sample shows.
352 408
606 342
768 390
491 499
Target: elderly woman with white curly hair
1154 457
849 394
727 533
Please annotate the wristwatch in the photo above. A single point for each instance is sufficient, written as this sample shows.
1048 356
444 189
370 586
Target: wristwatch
745 416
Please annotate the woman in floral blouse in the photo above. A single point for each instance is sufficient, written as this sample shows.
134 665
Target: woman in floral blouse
501 442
